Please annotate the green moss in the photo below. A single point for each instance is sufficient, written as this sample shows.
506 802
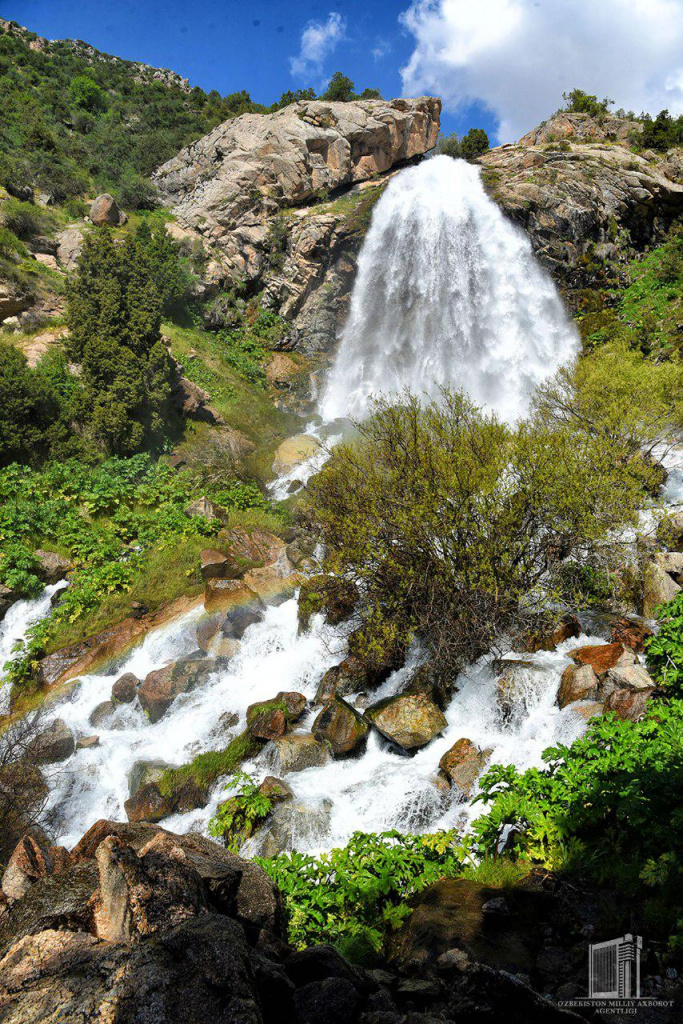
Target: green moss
207 768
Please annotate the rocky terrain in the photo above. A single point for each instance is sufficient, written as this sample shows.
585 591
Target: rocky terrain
136 923
583 196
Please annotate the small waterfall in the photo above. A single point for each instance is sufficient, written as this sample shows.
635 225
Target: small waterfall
448 293
15 625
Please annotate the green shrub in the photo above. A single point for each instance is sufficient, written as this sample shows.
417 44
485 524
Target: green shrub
665 650
359 893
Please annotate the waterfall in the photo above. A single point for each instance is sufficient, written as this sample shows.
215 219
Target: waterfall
14 627
448 292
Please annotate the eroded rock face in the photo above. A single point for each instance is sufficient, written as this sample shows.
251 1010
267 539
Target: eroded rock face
228 188
583 200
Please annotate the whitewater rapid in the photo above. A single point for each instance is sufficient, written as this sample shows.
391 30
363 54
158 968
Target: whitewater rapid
448 292
15 626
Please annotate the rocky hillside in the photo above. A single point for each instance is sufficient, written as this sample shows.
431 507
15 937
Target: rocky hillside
584 197
257 190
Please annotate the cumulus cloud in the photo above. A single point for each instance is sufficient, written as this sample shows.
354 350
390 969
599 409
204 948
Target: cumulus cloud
517 57
318 41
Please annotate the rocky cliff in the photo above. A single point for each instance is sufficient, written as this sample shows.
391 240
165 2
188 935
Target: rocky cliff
585 198
257 189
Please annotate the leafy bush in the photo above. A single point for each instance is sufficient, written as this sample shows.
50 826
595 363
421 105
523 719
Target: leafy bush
361 890
237 817
469 147
608 806
453 526
665 650
579 102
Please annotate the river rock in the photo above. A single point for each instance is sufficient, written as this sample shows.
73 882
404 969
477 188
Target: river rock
53 567
7 599
87 742
148 804
53 744
627 677
410 722
341 727
105 210
578 683
298 751
224 594
341 680
161 687
292 823
266 722
125 688
293 451
602 657
101 715
627 704
463 764
631 632
143 773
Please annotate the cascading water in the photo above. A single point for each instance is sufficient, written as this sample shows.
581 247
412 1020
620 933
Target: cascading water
15 625
448 293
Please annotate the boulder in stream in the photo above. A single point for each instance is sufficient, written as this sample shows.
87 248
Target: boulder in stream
125 688
161 687
409 721
342 727
53 744
463 764
299 751
341 680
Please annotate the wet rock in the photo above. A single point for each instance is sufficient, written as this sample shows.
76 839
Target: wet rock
331 1001
292 823
658 588
87 742
631 632
293 451
515 676
588 709
578 683
627 677
294 703
341 727
408 721
463 764
602 657
275 789
148 804
239 619
266 723
161 687
7 599
550 634
101 715
222 595
143 773
216 565
53 744
105 210
341 680
627 704
299 751
53 567
125 688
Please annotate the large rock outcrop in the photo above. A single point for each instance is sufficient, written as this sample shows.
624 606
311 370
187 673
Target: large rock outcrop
252 188
583 195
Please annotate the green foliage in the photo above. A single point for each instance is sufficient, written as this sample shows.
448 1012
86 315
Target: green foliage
340 89
19 570
469 147
608 806
114 307
28 408
360 891
76 121
665 650
207 768
579 102
24 219
236 819
245 349
453 526
87 94
110 519
660 133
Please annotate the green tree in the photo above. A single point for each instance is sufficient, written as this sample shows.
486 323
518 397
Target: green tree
449 145
474 143
340 89
27 409
87 94
579 102
454 526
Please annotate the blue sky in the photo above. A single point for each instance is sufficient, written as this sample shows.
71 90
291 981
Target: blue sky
233 44
498 64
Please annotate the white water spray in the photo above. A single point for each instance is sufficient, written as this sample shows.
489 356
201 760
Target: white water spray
448 293
15 626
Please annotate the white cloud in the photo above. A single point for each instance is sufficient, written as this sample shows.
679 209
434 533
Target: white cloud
518 56
381 49
318 41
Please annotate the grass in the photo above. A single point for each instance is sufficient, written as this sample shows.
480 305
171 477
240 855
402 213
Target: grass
207 768
501 872
166 573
